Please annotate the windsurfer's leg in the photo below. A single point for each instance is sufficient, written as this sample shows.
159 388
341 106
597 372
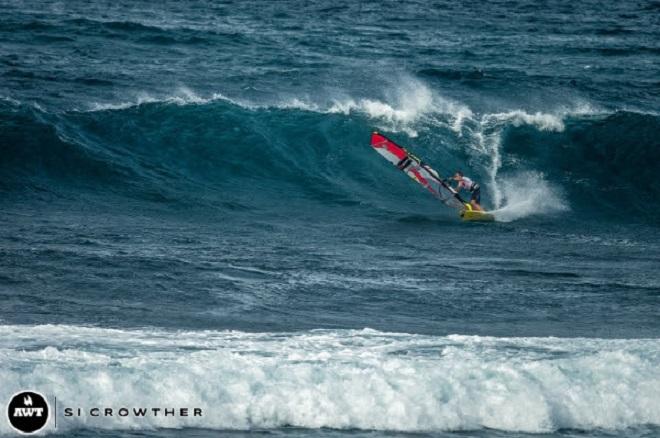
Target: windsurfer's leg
476 206
475 199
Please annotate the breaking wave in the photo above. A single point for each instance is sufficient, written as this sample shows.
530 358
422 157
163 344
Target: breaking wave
186 146
343 379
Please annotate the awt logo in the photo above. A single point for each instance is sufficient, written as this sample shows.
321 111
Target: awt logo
28 411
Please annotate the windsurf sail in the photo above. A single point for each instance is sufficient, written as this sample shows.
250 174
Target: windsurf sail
418 171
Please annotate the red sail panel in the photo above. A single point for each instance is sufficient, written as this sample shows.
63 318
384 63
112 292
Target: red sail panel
387 148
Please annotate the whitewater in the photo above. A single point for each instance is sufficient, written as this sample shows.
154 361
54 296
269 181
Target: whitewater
340 379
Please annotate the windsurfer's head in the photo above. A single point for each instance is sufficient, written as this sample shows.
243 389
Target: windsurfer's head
458 175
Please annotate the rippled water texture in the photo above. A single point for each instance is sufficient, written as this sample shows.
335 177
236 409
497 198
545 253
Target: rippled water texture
191 213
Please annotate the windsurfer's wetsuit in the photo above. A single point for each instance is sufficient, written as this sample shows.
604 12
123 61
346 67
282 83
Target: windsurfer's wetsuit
472 187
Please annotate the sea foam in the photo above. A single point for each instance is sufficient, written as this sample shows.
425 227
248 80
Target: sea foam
528 193
357 379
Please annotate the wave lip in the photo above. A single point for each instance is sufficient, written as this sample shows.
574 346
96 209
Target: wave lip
344 379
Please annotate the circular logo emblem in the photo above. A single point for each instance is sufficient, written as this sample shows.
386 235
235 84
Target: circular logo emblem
28 411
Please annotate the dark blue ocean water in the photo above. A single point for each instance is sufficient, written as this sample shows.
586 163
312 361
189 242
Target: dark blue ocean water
192 216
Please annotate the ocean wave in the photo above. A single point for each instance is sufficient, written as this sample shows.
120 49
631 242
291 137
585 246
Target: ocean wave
542 121
35 149
136 25
410 104
188 146
181 96
344 379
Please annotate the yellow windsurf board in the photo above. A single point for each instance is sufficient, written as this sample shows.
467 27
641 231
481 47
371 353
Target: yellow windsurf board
468 214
